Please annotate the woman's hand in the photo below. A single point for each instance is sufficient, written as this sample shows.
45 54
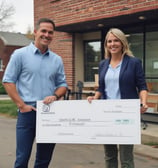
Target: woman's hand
143 108
95 97
90 98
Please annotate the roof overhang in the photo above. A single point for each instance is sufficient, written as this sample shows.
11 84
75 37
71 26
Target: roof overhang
140 17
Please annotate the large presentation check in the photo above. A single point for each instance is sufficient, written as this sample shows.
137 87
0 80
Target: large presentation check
81 122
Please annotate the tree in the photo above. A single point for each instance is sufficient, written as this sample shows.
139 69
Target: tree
6 11
29 33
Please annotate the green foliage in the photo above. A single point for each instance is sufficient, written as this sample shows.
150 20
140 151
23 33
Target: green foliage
2 90
154 144
8 108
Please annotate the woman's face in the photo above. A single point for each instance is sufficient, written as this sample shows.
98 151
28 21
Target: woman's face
114 45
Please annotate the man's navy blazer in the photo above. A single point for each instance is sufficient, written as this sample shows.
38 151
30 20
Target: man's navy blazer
131 78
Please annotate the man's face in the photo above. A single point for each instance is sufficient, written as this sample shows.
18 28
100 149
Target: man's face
44 35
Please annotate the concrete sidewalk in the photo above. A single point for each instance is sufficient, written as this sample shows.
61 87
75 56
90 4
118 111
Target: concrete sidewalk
4 97
149 135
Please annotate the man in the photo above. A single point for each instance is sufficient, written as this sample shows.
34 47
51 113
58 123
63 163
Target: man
34 73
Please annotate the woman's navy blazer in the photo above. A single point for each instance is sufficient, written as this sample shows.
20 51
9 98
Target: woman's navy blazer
131 78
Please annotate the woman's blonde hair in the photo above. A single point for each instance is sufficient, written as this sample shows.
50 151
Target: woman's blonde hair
121 36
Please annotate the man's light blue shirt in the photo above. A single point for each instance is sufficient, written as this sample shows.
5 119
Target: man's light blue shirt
112 89
36 75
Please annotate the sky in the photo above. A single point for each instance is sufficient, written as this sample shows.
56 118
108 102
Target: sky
23 16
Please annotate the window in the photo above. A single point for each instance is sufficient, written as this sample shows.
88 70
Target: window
152 60
1 65
92 57
136 44
152 54
143 43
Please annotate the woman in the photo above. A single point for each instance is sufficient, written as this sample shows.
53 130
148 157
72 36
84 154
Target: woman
120 77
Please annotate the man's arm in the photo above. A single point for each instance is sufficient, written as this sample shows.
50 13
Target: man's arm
59 92
12 92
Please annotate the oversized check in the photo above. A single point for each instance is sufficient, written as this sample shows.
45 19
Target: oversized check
81 122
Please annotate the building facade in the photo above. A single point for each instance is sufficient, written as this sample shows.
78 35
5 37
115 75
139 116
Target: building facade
8 43
81 27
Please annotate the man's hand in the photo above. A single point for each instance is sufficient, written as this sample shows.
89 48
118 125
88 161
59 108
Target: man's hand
26 108
49 99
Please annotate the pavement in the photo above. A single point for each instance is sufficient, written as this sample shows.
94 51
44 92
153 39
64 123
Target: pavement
66 151
70 155
4 97
148 135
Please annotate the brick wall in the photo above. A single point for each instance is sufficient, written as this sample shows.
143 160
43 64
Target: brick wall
65 12
72 11
63 46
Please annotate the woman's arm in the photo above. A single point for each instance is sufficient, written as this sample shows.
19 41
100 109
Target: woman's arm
143 98
96 96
